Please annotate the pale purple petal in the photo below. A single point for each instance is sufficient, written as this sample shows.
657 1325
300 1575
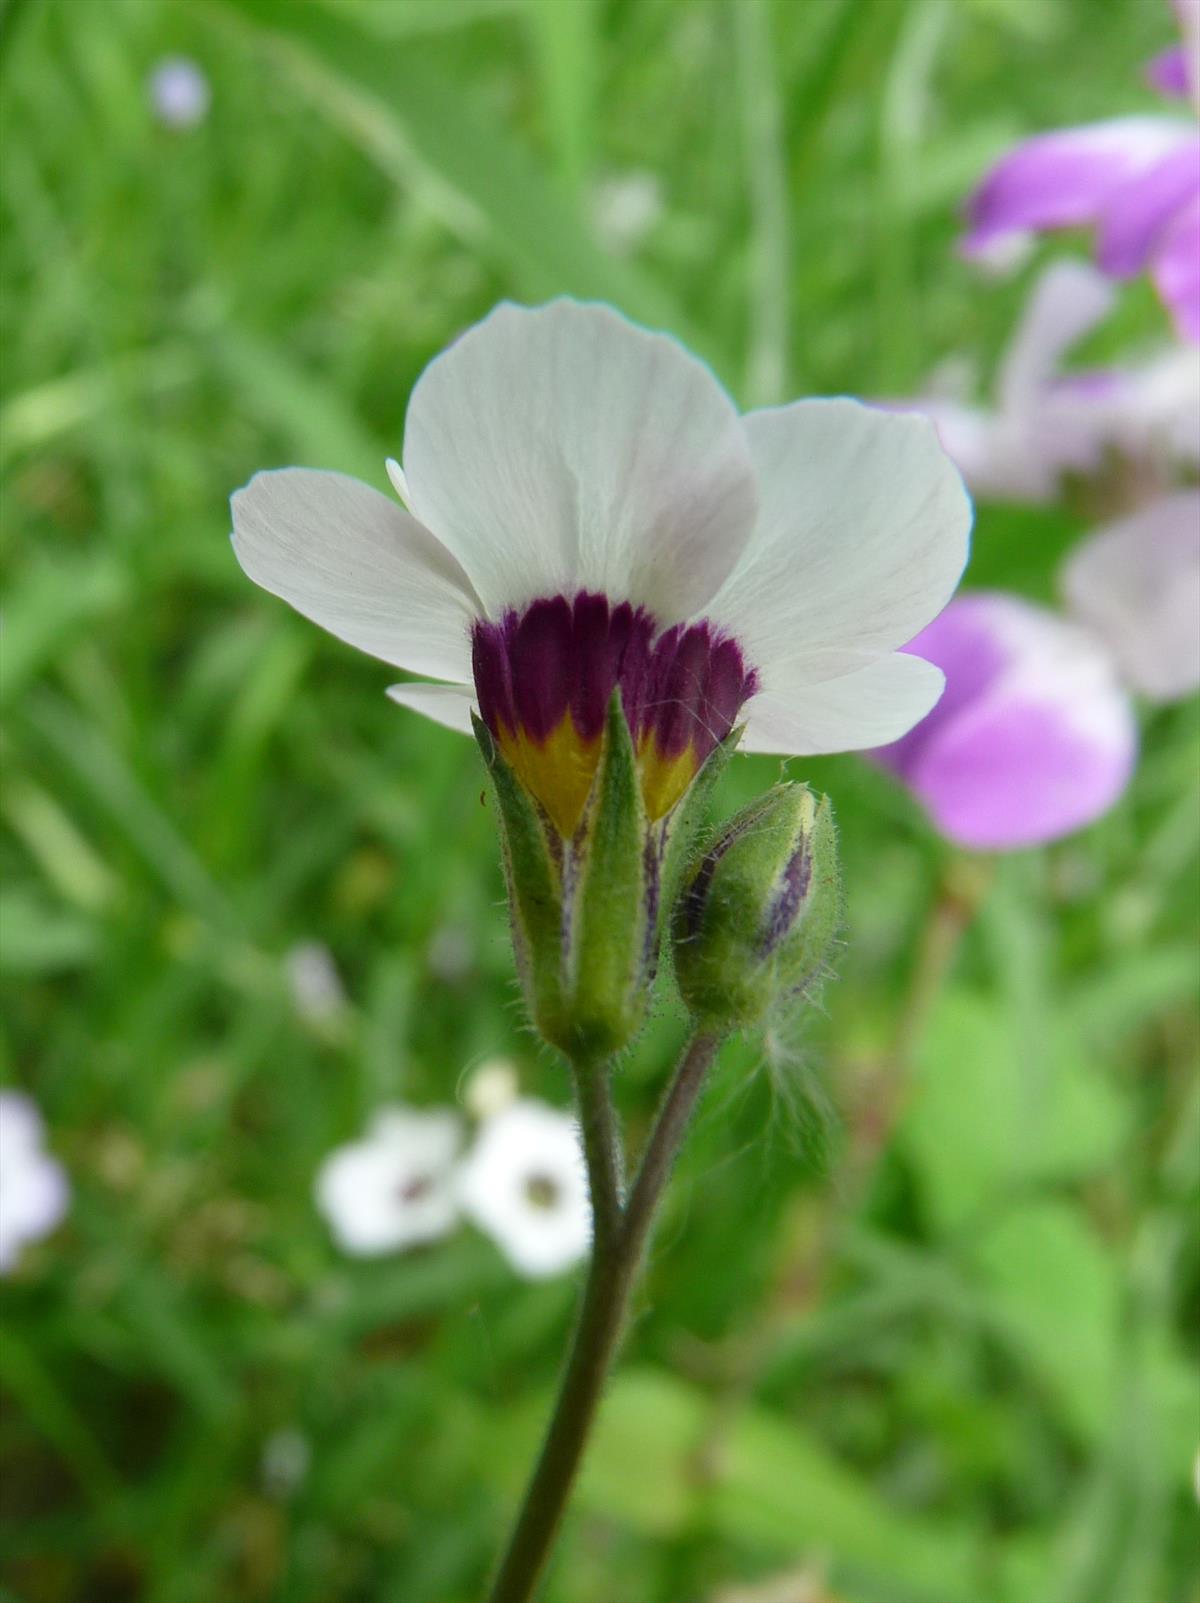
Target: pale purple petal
1136 584
1176 271
1064 179
1168 73
1067 301
1141 209
1034 736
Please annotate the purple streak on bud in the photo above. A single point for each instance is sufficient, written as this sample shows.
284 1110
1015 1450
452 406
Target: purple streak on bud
797 877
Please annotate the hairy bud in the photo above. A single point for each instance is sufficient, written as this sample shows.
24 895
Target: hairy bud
584 907
758 909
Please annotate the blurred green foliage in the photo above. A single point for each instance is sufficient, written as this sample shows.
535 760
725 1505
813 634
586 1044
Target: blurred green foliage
928 1337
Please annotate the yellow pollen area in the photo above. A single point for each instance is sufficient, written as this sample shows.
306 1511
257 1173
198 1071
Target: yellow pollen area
559 771
664 779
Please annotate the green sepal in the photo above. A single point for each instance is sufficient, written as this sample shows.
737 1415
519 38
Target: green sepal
534 880
611 901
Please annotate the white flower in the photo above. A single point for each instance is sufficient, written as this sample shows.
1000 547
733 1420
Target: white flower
525 1185
316 986
179 92
1136 585
395 1187
33 1186
490 1088
586 511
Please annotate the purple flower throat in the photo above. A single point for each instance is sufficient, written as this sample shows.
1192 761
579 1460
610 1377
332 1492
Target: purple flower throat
545 675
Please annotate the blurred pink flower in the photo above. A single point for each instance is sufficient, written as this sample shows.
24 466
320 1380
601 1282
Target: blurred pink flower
1135 180
33 1186
1035 734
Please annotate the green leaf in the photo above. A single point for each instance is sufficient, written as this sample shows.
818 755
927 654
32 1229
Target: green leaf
985 1121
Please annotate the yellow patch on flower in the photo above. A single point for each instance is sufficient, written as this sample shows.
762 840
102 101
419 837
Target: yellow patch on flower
559 771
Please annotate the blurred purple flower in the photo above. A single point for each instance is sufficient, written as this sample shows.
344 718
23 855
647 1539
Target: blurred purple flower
179 92
1136 180
33 1186
1035 735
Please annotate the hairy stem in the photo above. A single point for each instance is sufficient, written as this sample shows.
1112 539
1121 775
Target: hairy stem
619 1239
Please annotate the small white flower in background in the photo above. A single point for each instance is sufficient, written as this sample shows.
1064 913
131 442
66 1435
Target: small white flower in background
524 1184
490 1088
395 1187
286 1458
179 92
33 1185
625 207
314 982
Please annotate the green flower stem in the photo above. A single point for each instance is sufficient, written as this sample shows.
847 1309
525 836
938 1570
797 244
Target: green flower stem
619 1240
602 1151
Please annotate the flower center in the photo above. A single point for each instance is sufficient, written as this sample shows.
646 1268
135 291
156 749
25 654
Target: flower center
541 1192
544 677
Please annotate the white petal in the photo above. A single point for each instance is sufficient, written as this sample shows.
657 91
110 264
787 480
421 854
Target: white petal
862 535
449 705
1068 299
564 447
529 1142
875 704
1136 584
354 562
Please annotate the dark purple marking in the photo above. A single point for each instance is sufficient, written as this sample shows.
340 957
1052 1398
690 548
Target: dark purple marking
685 686
797 877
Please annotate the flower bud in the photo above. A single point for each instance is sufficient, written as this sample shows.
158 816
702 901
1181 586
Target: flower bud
758 909
584 907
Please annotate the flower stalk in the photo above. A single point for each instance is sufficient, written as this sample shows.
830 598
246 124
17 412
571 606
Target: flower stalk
622 1230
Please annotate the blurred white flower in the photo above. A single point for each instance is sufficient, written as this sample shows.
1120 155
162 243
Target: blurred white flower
315 984
491 1087
179 92
285 1461
33 1185
524 1184
395 1187
1136 585
625 207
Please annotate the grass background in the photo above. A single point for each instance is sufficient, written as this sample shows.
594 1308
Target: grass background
922 1314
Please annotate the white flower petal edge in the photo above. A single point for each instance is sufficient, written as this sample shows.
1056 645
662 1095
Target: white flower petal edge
1136 584
872 706
564 447
351 560
862 535
449 705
